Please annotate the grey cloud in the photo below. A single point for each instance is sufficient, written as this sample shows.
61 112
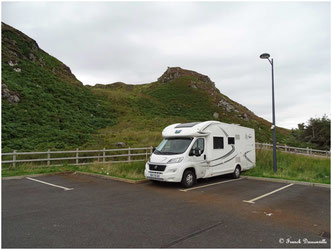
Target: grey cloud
134 42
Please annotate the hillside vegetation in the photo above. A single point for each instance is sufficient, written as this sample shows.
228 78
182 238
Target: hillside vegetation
292 167
147 108
45 107
43 104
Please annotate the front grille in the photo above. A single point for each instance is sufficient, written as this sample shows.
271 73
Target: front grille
157 167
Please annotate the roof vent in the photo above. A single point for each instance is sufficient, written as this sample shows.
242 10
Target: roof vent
187 125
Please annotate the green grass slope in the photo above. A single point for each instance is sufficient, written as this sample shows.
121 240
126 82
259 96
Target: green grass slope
147 108
54 109
292 167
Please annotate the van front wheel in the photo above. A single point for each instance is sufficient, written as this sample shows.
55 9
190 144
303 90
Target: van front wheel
237 172
188 179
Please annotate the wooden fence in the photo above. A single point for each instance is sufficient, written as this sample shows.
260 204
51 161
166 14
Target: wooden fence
79 157
289 149
83 157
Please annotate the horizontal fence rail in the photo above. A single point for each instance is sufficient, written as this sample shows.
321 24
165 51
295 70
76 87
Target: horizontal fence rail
84 157
79 157
289 149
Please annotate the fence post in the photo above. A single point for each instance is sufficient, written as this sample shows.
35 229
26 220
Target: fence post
151 150
307 150
285 148
77 156
104 160
48 157
129 158
146 154
14 158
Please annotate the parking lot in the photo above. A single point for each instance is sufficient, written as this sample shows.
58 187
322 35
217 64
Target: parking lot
75 210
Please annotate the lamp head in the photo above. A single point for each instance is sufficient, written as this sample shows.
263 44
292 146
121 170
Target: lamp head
265 56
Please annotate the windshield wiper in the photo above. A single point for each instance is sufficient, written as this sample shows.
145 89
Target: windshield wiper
168 153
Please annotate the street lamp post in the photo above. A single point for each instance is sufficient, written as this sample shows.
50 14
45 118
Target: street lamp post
267 56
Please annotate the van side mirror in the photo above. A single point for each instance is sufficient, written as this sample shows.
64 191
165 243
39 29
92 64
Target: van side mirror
153 149
191 152
197 152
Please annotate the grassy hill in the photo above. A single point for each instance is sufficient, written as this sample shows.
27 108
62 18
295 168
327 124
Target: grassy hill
45 106
146 109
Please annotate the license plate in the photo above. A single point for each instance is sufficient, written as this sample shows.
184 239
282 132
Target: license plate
154 175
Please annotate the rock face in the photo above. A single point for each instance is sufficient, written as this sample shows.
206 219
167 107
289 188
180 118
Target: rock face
11 96
223 103
14 53
120 144
12 64
203 82
176 72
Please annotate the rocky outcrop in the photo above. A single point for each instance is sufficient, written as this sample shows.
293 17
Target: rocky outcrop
14 54
244 116
223 103
216 115
120 144
176 72
12 63
11 96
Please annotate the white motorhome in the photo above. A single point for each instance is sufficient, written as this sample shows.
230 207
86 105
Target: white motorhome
190 151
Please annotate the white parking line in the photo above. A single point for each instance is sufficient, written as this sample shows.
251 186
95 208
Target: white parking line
264 195
50 184
188 189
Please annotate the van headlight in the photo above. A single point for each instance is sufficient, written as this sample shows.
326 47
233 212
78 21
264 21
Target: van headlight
175 160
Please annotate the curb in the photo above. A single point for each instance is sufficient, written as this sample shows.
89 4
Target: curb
34 175
312 184
77 172
112 177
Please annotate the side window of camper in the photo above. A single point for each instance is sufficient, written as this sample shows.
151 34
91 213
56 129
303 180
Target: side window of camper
199 143
218 142
231 140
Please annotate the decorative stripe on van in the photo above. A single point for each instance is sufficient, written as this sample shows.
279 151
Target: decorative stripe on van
224 161
245 156
223 131
226 155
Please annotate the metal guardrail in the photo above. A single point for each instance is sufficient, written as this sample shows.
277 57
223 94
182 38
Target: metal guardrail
129 155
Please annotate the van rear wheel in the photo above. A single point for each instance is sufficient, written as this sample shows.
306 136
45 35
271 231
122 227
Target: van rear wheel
237 172
188 179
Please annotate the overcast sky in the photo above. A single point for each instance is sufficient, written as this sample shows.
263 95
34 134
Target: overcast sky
134 42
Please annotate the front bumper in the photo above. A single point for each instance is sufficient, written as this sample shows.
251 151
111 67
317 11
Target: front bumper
170 174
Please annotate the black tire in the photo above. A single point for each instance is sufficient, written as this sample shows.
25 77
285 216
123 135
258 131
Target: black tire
154 182
188 179
237 172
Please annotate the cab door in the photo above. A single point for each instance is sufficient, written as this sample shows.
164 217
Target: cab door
199 160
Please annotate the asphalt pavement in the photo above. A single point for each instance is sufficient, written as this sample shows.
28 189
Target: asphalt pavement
79 211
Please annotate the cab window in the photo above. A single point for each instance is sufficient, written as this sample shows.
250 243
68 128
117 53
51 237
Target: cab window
199 143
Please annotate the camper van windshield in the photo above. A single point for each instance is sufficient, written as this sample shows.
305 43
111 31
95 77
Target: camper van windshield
172 146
